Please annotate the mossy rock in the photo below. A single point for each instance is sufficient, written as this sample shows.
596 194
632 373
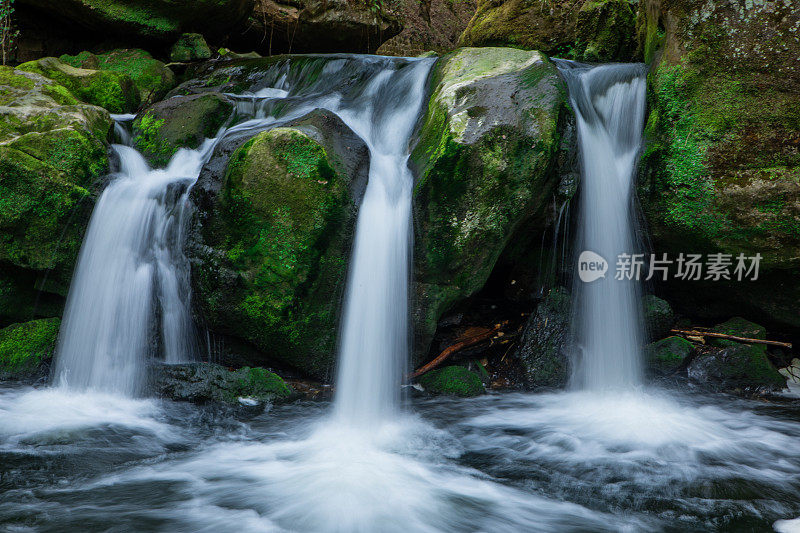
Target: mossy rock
25 347
716 174
270 259
542 351
667 356
587 30
114 91
52 149
208 382
743 367
658 316
190 47
453 380
153 21
152 78
179 122
484 156
738 327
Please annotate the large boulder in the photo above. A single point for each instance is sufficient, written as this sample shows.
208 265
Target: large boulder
190 47
308 26
179 122
52 149
115 91
484 157
543 349
152 78
586 30
658 316
721 170
743 367
26 348
146 20
269 256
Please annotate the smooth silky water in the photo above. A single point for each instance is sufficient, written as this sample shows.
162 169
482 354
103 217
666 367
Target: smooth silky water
89 453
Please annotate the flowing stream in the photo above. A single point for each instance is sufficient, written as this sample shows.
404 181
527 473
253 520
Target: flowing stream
92 454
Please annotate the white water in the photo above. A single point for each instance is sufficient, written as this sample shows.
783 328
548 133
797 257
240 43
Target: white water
609 104
375 330
131 266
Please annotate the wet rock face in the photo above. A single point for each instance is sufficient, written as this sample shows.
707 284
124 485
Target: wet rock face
484 159
589 30
658 317
543 348
318 26
272 238
721 168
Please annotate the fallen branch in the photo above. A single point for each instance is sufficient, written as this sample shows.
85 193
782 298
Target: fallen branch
450 350
695 333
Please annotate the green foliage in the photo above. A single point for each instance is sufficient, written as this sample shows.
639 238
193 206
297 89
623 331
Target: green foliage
453 380
24 347
8 33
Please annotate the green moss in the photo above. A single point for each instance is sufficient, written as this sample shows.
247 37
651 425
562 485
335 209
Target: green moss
190 47
152 78
668 355
258 383
148 140
24 347
279 222
112 90
739 327
453 380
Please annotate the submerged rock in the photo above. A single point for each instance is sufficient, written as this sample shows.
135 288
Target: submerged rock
545 340
113 91
666 356
208 382
52 149
586 30
152 78
484 158
269 256
26 348
453 380
179 122
190 47
720 172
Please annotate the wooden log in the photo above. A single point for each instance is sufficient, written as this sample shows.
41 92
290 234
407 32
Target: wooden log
746 340
460 345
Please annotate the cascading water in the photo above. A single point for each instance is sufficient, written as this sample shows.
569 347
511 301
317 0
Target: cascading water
375 331
131 257
609 104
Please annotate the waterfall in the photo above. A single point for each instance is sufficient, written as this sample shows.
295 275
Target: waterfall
131 270
375 332
609 104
